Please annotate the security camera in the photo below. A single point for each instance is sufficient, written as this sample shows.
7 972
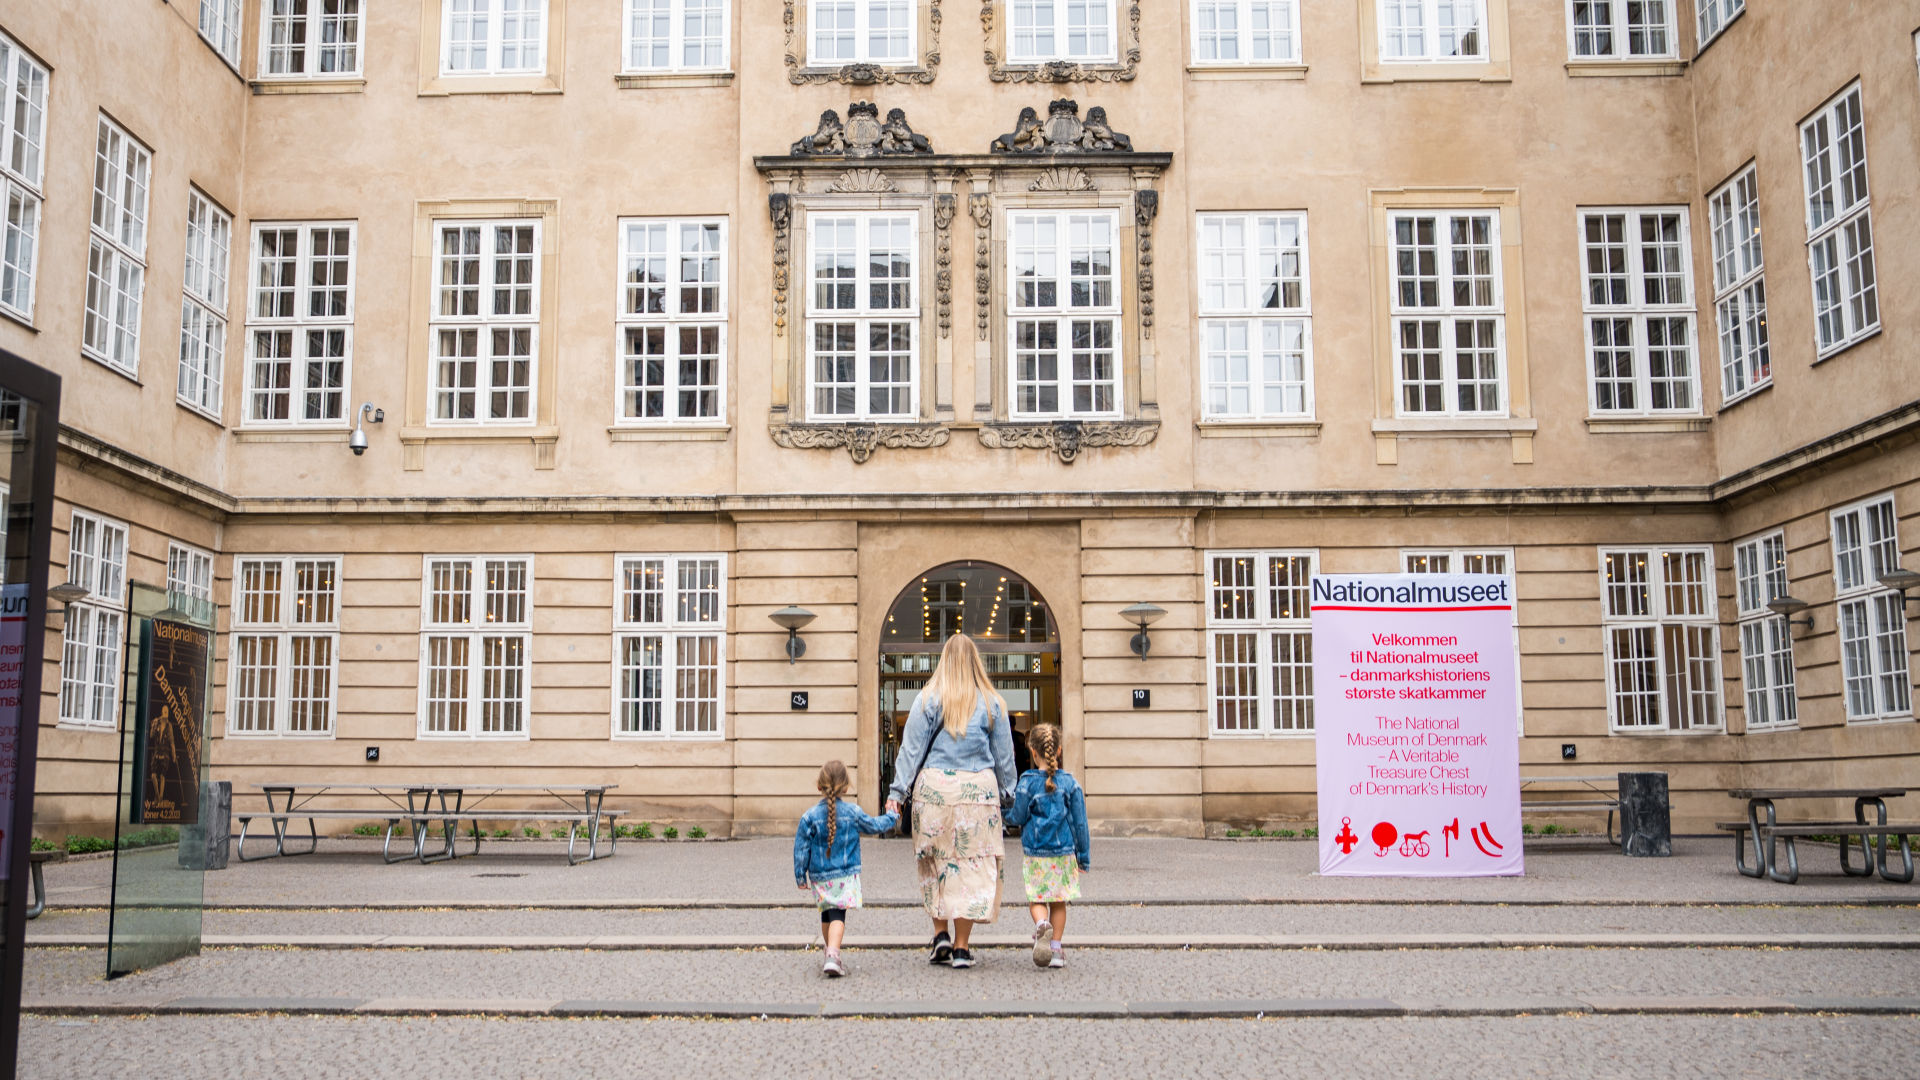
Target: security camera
357 442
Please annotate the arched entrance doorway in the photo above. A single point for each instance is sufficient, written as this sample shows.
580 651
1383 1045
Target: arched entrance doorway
1005 616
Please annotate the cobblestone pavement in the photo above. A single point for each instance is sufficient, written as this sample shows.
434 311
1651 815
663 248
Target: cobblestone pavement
1565 1047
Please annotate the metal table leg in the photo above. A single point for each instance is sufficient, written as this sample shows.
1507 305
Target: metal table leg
39 903
1772 862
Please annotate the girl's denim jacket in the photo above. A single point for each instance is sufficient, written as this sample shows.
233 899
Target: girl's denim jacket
1051 822
814 860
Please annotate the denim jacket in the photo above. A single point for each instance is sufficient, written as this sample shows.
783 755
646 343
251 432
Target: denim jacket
924 743
813 860
1051 822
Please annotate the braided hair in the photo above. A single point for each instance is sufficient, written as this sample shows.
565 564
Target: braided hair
832 783
1043 742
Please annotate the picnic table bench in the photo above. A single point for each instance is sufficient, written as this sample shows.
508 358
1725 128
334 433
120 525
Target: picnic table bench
1767 834
1587 796
421 806
39 859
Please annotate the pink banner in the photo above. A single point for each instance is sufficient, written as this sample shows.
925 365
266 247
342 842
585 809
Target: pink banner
1415 690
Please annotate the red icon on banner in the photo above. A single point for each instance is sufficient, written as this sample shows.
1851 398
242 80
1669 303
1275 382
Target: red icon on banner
1448 834
1346 839
1384 834
1414 846
1483 837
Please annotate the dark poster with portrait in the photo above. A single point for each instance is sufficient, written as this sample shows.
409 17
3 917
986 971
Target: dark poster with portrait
170 723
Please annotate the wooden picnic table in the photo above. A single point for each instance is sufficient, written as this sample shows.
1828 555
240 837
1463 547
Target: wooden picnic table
1768 833
423 804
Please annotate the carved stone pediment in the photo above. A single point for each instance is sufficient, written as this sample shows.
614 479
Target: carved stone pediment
1062 132
860 440
862 180
1067 438
864 135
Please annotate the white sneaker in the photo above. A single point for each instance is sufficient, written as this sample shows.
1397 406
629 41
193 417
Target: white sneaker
1042 943
1059 958
833 968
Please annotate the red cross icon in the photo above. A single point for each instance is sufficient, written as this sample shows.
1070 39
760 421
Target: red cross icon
1346 839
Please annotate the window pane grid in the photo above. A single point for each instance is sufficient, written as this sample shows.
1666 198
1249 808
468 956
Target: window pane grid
669 614
300 324
94 629
672 320
493 37
1661 630
1839 223
310 39
1639 304
1260 641
475 639
1714 15
863 314
1449 359
1063 266
1254 32
486 323
1043 30
676 35
116 256
1432 30
285 645
1256 367
1766 641
22 162
203 307
1872 618
1623 29
861 31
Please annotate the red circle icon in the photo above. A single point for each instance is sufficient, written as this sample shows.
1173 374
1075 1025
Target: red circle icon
1384 834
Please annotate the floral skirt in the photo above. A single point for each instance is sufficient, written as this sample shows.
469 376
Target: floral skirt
958 840
840 892
1051 879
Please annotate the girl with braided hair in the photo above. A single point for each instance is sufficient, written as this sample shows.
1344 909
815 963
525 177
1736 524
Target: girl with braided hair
826 857
1051 811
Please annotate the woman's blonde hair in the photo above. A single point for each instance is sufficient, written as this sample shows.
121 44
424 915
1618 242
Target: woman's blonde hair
960 684
833 783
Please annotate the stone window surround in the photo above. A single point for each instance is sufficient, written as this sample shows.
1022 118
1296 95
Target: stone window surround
543 430
1497 67
996 24
434 84
795 22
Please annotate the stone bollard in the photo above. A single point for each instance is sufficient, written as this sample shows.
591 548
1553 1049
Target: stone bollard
204 846
1646 819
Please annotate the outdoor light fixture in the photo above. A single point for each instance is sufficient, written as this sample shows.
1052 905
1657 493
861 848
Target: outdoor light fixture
1901 579
1788 607
68 593
357 442
1142 615
791 619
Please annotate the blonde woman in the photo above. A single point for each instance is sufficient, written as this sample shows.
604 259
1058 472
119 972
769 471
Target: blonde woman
956 757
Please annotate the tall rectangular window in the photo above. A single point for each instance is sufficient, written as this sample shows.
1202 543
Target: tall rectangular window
23 117
861 31
475 633
493 37
309 39
669 644
1256 326
1426 31
863 317
117 251
1260 642
203 305
1623 29
1075 30
676 35
1457 561
1662 631
1873 621
190 579
486 321
1714 15
283 668
1064 314
673 319
95 625
1739 286
1766 639
1639 311
220 25
1449 319
1251 32
300 323
1846 299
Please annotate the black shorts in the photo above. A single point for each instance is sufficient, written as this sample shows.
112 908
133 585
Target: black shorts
832 915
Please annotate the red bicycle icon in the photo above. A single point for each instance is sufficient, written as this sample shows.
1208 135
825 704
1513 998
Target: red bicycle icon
1414 846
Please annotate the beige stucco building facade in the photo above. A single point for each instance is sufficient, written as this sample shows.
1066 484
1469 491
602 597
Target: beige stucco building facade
1358 287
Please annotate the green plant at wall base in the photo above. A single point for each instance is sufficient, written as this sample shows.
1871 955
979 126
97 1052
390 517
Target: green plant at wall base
82 845
670 833
501 834
644 832
1550 830
530 832
367 830
41 844
1526 830
1286 834
697 833
1311 834
160 834
476 831
1234 834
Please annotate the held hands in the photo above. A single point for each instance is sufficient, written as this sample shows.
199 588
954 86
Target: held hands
893 806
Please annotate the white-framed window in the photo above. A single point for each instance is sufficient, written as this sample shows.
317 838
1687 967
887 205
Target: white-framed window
1260 642
676 35
1639 310
673 320
486 321
1256 320
1661 624
669 646
1623 29
95 630
1714 15
1449 318
203 304
1766 639
300 323
863 316
309 39
1846 299
1872 617
493 37
220 25
861 32
1457 561
1426 31
284 663
476 629
1739 286
1063 309
189 574
23 121
1076 30
117 253
1252 32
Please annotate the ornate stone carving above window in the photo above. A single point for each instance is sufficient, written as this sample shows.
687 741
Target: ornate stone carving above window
1061 71
1062 132
1067 438
864 135
801 71
860 440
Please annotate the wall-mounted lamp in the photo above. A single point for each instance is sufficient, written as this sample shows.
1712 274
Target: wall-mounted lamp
1143 616
357 442
1901 579
791 619
68 593
1788 607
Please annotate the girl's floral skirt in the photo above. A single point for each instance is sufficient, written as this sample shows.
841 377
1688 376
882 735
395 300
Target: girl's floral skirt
958 840
839 892
1051 879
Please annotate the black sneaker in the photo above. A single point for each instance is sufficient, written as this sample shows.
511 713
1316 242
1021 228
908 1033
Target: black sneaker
962 958
942 949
